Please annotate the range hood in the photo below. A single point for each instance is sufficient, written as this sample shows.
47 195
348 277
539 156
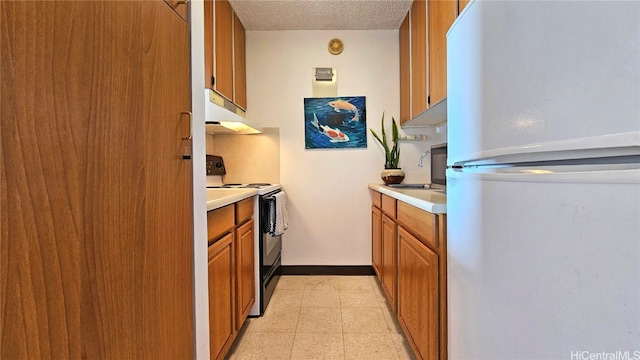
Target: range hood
224 117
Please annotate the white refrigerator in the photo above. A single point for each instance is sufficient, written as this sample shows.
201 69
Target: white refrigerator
543 180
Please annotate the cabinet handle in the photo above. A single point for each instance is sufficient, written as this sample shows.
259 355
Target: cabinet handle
183 2
186 155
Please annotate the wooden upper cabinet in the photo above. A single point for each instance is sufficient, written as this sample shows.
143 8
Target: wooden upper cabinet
240 64
224 52
423 55
442 13
419 75
405 72
223 40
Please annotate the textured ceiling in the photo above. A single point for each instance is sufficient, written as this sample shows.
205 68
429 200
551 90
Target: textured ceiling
321 14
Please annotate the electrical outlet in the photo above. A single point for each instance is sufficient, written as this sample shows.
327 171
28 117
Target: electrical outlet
215 165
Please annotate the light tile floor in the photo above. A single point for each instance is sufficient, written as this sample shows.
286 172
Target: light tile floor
323 317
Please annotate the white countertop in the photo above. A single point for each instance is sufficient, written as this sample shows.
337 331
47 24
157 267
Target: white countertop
217 198
431 200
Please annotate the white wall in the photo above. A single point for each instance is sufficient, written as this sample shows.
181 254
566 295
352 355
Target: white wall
329 203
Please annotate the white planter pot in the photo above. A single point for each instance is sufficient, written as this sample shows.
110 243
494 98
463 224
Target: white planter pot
392 176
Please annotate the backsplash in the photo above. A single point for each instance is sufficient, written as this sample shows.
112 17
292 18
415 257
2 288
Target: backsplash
248 158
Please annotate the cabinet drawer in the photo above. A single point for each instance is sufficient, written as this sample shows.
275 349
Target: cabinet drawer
244 210
389 206
376 199
420 223
220 221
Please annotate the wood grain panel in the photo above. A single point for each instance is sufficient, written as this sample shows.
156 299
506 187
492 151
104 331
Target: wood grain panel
418 295
223 37
389 259
376 240
419 222
208 44
221 296
376 199
220 221
442 13
166 270
461 5
244 210
419 68
389 206
245 278
44 129
442 275
95 264
405 70
240 64
181 7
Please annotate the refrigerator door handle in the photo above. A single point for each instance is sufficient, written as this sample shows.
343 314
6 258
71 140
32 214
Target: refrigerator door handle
607 173
624 144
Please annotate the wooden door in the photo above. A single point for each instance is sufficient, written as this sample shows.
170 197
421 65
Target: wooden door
461 5
376 240
223 50
245 261
96 253
442 13
180 7
389 238
221 298
240 64
418 293
405 70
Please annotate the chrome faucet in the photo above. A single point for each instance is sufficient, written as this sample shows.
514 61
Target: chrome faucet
422 157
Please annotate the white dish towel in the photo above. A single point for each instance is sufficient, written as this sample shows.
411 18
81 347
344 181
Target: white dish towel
278 208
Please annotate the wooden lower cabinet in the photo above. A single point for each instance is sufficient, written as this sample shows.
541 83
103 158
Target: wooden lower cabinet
388 279
245 270
231 273
221 296
409 256
418 295
376 240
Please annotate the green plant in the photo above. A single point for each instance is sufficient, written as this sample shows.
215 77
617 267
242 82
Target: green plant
392 155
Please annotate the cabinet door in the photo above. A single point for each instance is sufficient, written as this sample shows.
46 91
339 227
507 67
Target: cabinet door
94 263
240 64
404 38
389 241
223 50
442 13
418 293
419 79
245 278
376 240
221 296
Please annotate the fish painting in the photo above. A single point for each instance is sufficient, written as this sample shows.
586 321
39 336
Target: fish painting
340 104
326 128
334 134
